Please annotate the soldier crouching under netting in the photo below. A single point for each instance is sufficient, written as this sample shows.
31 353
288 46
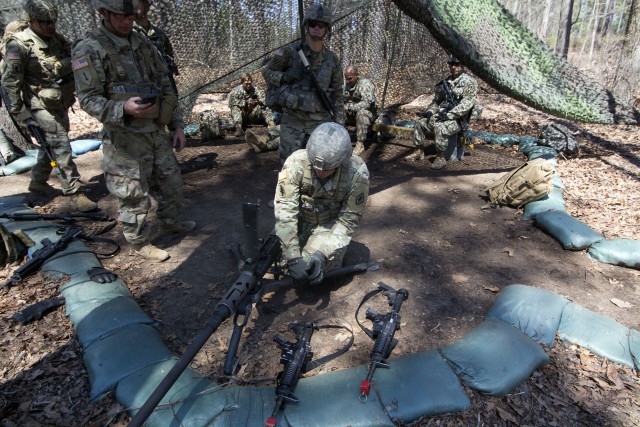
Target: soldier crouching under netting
320 197
246 103
447 115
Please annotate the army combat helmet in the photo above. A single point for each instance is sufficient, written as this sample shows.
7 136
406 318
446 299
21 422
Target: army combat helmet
121 7
453 60
329 146
41 10
320 13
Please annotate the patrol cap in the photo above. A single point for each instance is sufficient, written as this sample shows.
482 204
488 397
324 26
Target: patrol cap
453 60
121 7
329 146
41 10
318 12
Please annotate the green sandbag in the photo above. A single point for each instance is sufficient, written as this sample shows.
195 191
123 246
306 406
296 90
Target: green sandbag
534 311
197 401
634 347
596 333
8 202
75 258
625 252
557 182
494 357
21 165
80 290
93 320
552 201
120 354
571 233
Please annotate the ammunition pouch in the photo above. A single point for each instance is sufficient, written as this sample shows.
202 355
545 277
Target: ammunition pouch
167 107
51 98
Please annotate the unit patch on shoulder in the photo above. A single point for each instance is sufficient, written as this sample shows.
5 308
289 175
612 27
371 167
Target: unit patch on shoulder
360 199
279 52
282 175
80 63
13 55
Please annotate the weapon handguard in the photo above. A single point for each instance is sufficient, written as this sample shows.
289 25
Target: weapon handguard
383 329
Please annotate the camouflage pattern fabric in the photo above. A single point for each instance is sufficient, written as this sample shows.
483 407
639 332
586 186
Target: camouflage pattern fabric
504 53
315 216
138 158
243 113
464 90
302 110
38 85
360 106
211 126
160 40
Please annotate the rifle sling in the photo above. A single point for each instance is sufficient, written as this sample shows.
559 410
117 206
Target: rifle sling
318 362
382 287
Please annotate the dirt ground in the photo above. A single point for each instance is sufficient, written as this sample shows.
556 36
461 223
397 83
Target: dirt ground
428 232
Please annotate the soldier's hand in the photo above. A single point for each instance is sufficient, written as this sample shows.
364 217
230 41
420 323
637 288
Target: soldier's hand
101 275
298 271
442 117
315 267
133 108
293 74
425 114
178 140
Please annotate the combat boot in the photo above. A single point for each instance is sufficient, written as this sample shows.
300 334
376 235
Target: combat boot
82 202
177 228
151 253
255 141
359 148
43 188
416 156
439 163
239 132
271 125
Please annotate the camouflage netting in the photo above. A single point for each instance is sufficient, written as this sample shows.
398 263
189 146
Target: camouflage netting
391 43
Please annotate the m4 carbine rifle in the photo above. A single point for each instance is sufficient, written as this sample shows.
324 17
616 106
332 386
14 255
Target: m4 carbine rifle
42 141
383 329
450 103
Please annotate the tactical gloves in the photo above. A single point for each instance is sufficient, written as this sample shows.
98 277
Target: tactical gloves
101 275
442 117
298 271
315 267
293 74
425 114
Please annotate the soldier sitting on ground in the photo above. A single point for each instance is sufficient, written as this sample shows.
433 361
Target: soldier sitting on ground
38 82
320 197
447 115
246 103
359 105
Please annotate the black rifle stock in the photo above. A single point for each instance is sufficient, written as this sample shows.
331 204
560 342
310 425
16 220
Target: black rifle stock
451 103
66 217
383 330
41 255
35 131
295 358
38 310
246 283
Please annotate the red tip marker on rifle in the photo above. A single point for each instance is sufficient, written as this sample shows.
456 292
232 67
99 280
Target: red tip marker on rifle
271 422
365 388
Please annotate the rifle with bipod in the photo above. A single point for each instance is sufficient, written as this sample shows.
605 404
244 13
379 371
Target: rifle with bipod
384 326
297 360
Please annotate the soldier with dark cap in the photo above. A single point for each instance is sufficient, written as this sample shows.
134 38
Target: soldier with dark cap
123 82
291 89
39 88
320 197
445 117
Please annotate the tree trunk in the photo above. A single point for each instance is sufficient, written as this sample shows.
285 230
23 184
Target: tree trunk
626 80
564 28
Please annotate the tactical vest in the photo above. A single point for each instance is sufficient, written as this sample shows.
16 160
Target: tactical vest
119 87
54 92
319 211
308 100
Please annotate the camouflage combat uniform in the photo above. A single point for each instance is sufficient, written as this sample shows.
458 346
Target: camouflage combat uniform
137 153
302 110
37 78
312 216
242 113
464 89
360 106
160 40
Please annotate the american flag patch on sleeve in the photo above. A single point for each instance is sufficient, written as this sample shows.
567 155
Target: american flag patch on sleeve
13 55
80 63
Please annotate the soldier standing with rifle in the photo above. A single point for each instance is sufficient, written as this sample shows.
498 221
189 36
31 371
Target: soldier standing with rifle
122 81
447 114
308 95
38 83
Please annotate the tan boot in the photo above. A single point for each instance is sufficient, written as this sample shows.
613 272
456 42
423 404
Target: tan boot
416 156
177 228
82 202
359 148
151 253
439 163
256 141
239 131
43 188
